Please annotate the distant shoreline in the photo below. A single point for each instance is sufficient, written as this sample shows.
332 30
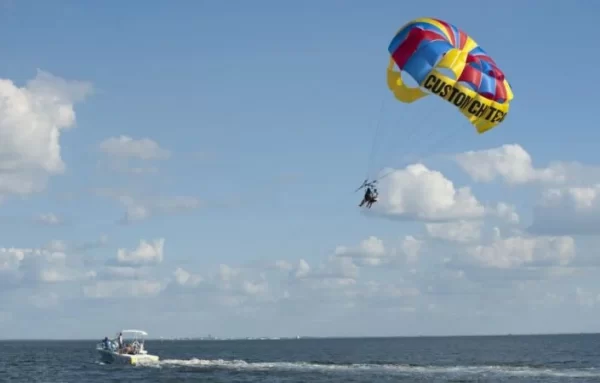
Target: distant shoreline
300 338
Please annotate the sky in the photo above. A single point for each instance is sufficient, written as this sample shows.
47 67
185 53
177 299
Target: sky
191 170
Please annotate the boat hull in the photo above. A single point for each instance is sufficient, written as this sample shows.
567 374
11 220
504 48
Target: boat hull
111 357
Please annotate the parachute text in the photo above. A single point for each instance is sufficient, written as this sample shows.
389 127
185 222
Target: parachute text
463 101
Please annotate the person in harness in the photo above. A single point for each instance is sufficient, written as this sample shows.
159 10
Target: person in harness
371 194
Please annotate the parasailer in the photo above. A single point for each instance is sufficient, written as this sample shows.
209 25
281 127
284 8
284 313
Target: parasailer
444 61
371 194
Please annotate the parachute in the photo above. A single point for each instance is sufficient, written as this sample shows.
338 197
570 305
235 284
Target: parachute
445 62
424 47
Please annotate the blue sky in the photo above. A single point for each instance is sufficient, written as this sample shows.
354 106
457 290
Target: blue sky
263 117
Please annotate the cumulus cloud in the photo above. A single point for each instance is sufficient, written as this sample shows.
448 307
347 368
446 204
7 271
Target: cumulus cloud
127 147
511 163
91 245
56 245
237 286
146 253
506 212
370 251
569 210
123 152
344 283
109 273
49 219
302 269
568 205
517 251
379 290
373 252
460 231
139 208
411 247
39 265
33 118
333 271
185 278
417 192
228 286
123 289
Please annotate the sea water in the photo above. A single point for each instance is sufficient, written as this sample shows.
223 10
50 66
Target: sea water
548 359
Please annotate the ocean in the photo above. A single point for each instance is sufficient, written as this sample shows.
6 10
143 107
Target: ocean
540 358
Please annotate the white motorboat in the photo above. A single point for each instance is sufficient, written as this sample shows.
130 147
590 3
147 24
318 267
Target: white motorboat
132 350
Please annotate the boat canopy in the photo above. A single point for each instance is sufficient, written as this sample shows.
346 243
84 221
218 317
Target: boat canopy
136 332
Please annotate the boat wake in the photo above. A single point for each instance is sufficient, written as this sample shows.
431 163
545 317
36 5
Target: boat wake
399 369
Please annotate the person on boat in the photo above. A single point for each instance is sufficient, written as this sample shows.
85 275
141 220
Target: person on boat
128 349
105 343
120 340
136 347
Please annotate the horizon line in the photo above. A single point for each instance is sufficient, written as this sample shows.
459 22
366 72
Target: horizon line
301 337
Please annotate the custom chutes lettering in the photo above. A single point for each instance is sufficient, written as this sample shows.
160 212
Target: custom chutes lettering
466 102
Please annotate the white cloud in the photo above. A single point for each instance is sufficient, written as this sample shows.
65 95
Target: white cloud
176 204
49 219
227 273
255 288
334 267
570 206
460 231
411 247
506 212
185 278
134 209
122 289
90 245
380 290
285 289
283 265
302 270
121 272
33 118
146 253
127 147
514 165
228 286
39 265
570 210
373 252
56 245
339 268
369 251
517 251
511 163
139 208
11 258
417 192
122 152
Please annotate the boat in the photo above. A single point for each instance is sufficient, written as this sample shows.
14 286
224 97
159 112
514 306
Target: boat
132 351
